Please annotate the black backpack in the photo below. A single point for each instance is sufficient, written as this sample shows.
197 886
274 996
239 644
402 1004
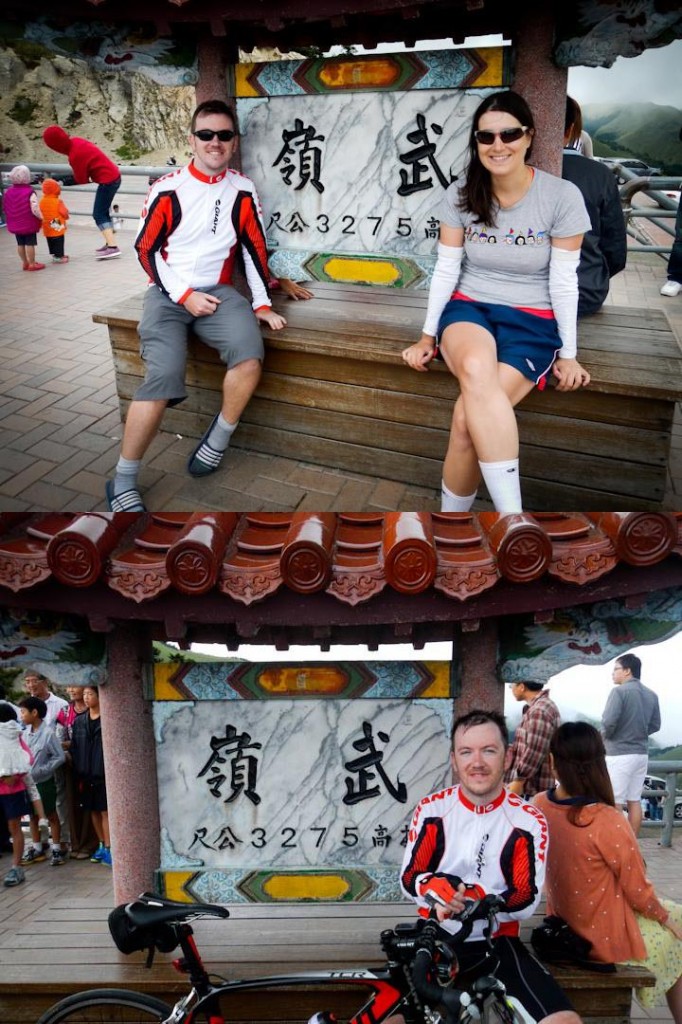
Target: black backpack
555 942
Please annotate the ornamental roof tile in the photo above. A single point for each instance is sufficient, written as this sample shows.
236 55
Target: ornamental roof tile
351 556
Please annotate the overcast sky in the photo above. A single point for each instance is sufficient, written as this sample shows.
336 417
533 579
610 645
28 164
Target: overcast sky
652 77
583 687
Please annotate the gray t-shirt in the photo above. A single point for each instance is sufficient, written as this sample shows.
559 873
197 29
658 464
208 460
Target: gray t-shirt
509 264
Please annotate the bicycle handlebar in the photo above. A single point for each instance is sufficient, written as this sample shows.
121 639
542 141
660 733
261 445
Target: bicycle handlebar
429 990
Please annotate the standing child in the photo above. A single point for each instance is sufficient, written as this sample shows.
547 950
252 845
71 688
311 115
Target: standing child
15 761
55 216
22 213
48 756
88 765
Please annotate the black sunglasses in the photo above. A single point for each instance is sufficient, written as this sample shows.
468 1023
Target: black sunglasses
206 135
506 135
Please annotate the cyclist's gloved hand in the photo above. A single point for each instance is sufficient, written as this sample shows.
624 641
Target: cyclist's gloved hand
439 888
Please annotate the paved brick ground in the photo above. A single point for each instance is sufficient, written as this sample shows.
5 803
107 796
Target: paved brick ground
60 427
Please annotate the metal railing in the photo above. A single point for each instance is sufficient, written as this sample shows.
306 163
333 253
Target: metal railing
666 770
63 170
662 214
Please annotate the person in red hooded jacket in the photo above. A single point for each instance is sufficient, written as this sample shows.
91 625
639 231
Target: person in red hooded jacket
89 163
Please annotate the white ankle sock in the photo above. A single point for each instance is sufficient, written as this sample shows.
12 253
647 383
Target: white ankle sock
450 502
504 485
220 435
126 475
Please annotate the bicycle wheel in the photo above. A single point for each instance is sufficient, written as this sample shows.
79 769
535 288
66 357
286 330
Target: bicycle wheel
107 1006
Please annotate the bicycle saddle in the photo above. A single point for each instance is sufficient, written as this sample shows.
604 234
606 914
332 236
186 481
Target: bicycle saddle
149 910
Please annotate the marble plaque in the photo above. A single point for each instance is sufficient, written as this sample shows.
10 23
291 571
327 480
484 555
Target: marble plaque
355 172
293 785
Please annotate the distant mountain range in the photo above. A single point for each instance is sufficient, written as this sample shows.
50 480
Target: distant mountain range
644 130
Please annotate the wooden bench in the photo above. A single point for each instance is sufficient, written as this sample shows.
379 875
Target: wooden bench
335 392
50 952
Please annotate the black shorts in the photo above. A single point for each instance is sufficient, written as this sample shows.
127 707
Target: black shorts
92 794
524 977
30 239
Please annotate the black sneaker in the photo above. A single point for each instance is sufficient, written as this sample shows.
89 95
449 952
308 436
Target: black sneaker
33 856
58 858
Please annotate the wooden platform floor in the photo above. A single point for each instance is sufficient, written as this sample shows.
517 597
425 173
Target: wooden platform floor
60 426
54 938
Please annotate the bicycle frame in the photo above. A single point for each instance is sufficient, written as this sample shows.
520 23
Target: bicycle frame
386 995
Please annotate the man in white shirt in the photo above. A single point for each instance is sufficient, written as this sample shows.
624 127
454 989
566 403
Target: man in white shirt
37 686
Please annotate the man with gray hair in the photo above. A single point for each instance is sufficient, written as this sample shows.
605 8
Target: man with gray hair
37 685
631 715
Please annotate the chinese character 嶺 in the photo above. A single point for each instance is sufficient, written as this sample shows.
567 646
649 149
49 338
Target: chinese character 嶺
243 768
299 141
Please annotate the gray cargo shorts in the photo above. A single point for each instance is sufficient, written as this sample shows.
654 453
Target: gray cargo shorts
232 331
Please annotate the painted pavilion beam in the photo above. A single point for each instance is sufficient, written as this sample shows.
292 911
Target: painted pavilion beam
217 619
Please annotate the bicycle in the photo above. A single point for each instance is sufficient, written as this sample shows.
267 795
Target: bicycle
417 982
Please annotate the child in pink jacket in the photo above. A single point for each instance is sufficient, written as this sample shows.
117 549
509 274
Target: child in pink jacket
15 762
22 213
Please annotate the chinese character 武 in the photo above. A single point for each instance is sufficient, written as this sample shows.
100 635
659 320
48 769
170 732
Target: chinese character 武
423 151
362 766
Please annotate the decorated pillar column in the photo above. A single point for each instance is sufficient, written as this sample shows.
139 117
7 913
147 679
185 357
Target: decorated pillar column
478 653
213 64
541 83
130 763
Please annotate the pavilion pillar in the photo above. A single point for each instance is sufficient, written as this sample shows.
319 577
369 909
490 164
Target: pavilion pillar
541 83
481 687
130 762
212 83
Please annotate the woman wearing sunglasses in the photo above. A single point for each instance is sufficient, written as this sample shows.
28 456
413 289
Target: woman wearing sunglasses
502 307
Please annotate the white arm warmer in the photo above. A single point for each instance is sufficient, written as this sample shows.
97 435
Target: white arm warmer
563 294
443 282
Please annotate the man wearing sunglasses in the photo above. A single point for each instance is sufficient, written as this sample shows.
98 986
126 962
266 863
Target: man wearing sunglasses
195 222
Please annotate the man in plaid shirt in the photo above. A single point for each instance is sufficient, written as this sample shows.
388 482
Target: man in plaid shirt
530 772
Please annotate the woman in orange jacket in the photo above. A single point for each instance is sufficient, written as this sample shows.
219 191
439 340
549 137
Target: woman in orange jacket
55 216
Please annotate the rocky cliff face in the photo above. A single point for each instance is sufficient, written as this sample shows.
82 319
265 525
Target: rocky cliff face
119 111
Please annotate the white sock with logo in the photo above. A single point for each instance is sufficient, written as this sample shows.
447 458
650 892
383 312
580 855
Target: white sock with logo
451 502
504 485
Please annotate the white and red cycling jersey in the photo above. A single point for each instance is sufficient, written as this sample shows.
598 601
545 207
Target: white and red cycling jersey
191 228
501 847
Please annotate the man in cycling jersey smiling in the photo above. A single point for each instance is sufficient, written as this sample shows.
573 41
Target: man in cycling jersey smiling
195 223
479 832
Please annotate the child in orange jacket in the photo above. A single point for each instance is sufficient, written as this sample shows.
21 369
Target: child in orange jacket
55 216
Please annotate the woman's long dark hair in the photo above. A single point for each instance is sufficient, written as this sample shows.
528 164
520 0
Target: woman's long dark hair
477 192
580 766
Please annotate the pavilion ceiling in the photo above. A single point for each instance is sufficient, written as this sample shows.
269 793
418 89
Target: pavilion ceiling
591 32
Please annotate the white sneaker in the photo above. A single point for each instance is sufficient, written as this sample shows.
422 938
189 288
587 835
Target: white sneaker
671 288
